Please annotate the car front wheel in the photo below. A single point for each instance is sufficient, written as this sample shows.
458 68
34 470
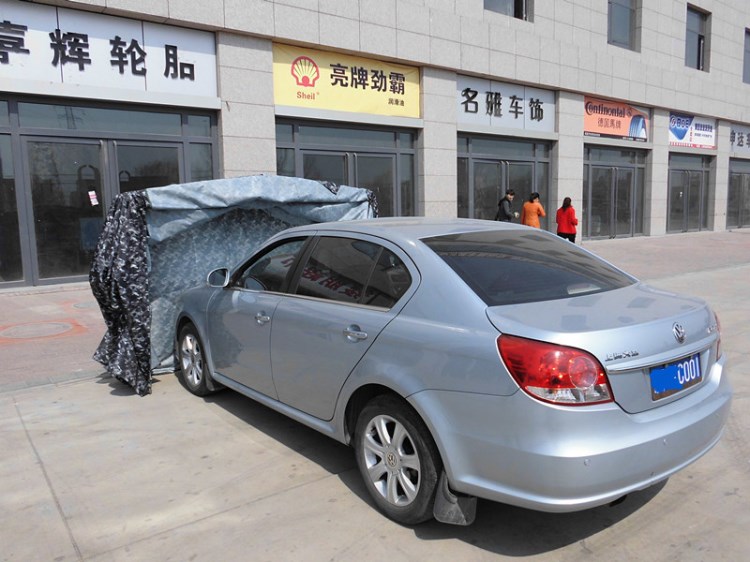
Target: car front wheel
398 459
191 361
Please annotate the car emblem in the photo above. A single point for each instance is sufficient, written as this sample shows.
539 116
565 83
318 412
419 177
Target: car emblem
679 332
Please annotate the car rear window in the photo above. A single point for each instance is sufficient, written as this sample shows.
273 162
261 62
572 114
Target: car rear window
511 267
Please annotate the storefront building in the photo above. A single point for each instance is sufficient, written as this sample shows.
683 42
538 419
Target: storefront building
438 107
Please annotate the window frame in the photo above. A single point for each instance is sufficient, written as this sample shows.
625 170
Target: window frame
633 8
698 38
294 282
521 9
239 276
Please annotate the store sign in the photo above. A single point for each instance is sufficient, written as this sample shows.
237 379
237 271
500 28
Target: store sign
331 81
49 50
691 131
739 138
615 120
502 105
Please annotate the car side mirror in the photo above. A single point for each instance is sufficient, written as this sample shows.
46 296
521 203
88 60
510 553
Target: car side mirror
218 277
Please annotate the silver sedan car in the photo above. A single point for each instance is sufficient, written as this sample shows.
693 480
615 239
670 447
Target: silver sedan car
464 359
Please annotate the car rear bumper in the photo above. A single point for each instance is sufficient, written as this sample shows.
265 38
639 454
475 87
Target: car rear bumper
517 450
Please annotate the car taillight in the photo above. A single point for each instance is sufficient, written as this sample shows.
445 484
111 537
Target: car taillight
554 373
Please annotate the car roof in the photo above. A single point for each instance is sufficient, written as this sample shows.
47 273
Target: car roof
408 228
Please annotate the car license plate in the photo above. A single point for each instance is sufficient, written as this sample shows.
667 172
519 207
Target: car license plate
676 376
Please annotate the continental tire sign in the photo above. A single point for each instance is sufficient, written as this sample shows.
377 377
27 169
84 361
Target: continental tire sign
615 120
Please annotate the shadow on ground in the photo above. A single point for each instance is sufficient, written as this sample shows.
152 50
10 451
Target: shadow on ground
499 528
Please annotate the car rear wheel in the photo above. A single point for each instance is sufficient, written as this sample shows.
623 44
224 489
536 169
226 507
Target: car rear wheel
398 459
191 362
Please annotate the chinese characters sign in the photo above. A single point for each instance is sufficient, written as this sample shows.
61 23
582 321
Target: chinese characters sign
44 49
321 80
611 119
739 138
512 106
691 131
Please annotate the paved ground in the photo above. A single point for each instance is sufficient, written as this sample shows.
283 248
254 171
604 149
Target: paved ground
91 471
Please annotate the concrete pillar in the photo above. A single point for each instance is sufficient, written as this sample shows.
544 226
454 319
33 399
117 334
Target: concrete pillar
247 129
437 143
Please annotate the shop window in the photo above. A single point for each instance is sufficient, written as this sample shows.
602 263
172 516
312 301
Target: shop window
520 9
613 192
380 159
10 244
688 192
199 125
621 24
121 121
487 167
696 40
201 162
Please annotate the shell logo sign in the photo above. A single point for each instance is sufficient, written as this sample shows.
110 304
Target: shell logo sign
305 72
335 82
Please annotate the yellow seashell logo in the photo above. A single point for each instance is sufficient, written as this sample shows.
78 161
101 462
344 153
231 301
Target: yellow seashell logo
305 71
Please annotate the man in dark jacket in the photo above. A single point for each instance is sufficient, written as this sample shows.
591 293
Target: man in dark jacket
504 209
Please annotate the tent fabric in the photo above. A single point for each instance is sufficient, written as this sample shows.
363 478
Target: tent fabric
120 283
158 242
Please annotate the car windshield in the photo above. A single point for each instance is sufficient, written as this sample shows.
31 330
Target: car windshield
512 267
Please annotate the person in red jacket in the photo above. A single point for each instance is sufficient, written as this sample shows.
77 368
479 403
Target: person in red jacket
567 221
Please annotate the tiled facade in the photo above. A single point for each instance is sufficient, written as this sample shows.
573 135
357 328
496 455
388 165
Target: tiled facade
563 48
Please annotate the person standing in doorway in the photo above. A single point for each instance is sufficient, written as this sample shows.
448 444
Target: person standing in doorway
566 221
505 207
531 211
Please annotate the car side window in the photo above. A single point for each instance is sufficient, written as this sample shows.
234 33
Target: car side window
337 269
353 271
268 271
389 280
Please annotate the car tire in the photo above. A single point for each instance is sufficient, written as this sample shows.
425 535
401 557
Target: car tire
398 459
191 361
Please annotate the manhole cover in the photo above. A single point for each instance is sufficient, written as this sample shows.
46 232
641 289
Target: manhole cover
43 329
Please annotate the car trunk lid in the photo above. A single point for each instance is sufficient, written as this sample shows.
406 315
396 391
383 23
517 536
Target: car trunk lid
644 337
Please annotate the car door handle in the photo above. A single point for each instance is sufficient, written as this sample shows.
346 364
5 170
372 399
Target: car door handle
262 318
355 334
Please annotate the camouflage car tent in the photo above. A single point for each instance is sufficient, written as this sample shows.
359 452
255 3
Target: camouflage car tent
158 242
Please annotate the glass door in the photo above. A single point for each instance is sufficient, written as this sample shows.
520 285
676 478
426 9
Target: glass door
678 192
140 166
361 169
600 208
520 179
612 202
378 173
687 201
623 199
11 255
738 201
492 178
67 205
697 202
326 166
488 185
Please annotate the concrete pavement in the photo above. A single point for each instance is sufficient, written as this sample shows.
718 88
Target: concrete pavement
91 471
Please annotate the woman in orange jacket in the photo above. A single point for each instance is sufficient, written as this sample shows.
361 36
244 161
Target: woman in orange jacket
532 210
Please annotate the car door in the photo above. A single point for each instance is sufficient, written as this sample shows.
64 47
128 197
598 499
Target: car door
344 295
240 317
